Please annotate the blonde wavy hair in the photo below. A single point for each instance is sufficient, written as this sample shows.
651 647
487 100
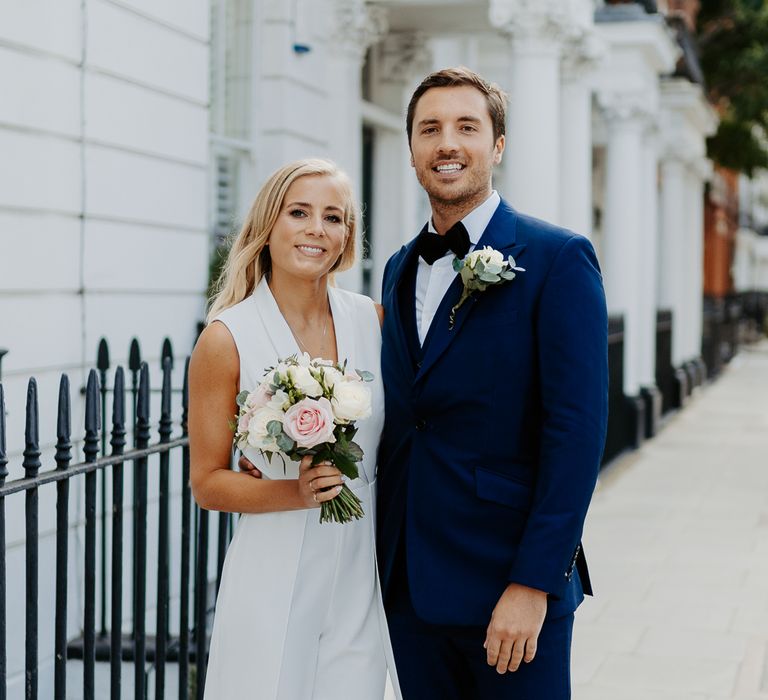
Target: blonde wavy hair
248 260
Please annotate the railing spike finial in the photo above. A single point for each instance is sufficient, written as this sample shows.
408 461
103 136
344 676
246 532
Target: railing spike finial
3 453
167 352
92 417
92 414
118 401
165 403
142 408
64 425
118 441
31 462
134 356
102 356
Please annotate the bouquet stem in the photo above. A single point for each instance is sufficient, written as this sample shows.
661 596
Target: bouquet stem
342 509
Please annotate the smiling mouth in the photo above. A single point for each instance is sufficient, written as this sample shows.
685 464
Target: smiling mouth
311 249
448 168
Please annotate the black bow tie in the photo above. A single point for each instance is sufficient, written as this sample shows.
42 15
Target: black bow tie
432 246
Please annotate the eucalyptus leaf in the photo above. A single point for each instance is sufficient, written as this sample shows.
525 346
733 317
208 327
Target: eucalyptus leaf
457 264
274 428
241 397
489 277
365 375
285 443
355 451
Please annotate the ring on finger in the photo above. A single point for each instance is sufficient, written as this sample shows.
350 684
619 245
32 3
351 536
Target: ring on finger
314 496
311 482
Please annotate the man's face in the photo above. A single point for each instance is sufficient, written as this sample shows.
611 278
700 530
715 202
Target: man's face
452 145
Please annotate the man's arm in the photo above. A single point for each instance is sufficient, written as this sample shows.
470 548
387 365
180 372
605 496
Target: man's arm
572 334
572 339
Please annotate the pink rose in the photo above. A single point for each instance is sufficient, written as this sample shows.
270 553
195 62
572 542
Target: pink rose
310 422
242 426
259 398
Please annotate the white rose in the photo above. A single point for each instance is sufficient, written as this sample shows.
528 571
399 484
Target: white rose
258 436
493 260
304 381
331 376
493 256
471 260
351 400
280 401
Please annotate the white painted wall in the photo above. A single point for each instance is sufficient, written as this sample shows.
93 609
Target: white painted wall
103 226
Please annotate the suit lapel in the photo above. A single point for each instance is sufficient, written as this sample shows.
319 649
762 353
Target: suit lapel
501 235
403 308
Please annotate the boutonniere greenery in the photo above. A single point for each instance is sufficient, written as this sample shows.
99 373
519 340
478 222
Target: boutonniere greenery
481 269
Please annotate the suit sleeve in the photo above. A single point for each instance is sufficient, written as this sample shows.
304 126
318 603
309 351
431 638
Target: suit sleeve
386 276
572 336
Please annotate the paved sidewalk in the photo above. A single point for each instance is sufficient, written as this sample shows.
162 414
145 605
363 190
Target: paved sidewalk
677 540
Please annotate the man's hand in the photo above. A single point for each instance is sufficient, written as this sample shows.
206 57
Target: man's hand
515 625
248 467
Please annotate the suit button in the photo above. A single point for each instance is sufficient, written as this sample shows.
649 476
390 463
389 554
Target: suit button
421 424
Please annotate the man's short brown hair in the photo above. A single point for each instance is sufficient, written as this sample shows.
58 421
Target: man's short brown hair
495 97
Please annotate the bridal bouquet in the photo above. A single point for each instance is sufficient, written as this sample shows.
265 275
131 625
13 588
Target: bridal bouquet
309 407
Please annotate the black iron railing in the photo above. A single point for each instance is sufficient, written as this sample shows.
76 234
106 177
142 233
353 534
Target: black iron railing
102 641
666 380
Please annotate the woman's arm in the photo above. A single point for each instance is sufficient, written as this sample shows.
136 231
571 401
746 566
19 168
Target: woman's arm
214 377
380 313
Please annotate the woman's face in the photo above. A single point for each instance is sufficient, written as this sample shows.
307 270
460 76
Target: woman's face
309 234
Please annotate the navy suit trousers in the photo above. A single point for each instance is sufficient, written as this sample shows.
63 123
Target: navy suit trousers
445 662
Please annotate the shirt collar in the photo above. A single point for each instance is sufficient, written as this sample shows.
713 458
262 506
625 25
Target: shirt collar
478 219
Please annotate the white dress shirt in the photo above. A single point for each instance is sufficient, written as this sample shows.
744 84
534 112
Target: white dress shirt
432 281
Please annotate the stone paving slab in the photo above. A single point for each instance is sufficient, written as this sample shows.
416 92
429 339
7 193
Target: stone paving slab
677 540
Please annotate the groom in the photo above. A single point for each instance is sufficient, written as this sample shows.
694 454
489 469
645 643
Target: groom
494 426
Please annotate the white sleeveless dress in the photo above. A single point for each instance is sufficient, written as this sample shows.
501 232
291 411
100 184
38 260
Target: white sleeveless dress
299 613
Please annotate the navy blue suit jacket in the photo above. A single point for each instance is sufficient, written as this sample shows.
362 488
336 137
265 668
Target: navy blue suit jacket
494 430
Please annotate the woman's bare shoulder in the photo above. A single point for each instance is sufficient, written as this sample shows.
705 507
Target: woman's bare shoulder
216 348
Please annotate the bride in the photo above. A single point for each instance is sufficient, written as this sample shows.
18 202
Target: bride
299 611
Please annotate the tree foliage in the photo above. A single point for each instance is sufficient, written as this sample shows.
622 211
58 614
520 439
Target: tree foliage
733 41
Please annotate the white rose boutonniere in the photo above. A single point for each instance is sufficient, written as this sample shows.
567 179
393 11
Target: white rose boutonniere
481 269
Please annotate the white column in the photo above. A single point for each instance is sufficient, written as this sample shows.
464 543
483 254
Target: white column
575 146
400 63
649 245
686 120
695 207
358 26
673 251
622 232
532 157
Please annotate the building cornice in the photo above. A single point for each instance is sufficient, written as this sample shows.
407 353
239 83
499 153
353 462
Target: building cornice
402 54
540 21
652 39
357 27
682 97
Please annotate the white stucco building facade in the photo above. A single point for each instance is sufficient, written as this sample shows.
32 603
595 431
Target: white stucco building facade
134 135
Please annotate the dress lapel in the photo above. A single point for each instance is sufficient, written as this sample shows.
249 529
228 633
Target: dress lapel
276 329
